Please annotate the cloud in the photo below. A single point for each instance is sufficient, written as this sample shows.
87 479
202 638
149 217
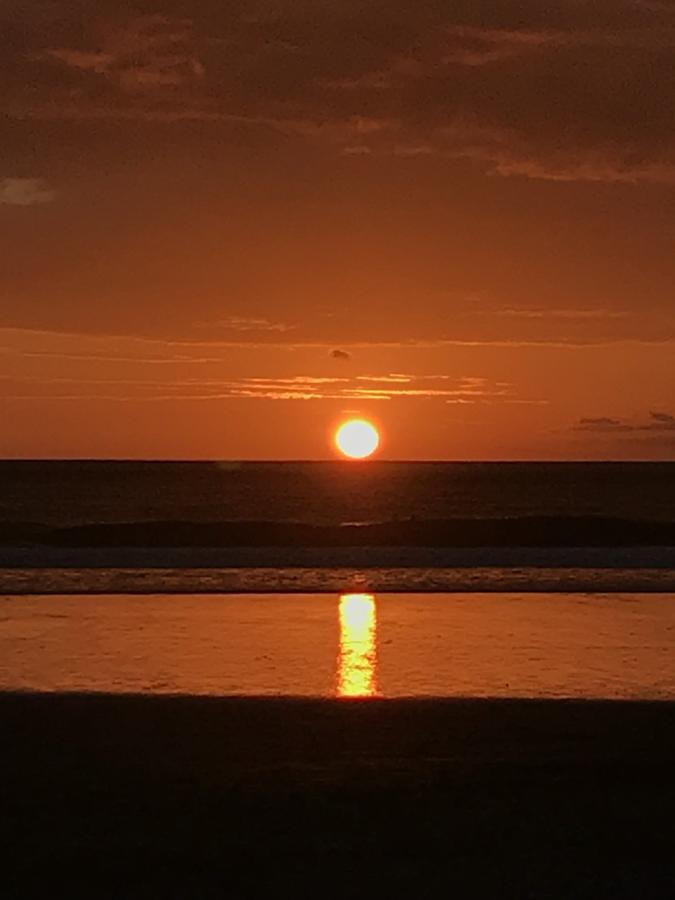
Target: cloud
378 388
392 378
145 52
22 341
608 166
25 192
86 60
244 323
601 423
296 380
664 419
657 422
567 91
341 355
544 313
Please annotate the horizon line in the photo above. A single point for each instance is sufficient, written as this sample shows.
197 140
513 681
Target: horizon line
330 460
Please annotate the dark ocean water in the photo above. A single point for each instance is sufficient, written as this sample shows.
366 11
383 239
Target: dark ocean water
170 557
68 493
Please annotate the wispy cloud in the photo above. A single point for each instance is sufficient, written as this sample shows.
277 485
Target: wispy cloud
600 422
25 192
24 341
499 84
657 422
390 379
296 380
195 356
665 420
545 313
247 323
145 53
441 388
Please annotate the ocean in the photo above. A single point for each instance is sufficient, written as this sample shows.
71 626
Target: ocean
338 579
60 493
144 527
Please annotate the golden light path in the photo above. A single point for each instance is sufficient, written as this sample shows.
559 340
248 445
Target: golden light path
357 660
357 438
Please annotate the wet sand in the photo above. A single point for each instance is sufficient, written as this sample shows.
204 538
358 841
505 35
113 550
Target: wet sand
183 796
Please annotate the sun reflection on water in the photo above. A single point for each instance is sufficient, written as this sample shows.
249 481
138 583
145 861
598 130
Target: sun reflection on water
357 660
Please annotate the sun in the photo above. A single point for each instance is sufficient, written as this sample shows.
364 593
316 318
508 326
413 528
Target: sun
357 439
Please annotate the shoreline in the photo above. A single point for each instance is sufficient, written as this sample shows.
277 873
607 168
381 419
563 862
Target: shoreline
288 580
333 557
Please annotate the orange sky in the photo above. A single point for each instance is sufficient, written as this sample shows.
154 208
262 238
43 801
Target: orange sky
224 229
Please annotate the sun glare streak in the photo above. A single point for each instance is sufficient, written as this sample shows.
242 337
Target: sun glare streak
357 660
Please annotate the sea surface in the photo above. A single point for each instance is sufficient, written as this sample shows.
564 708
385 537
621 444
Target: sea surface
59 493
98 610
350 645
139 505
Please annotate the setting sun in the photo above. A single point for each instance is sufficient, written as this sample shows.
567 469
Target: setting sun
357 439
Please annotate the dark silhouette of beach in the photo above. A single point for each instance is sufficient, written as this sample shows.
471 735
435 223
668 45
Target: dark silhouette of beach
182 796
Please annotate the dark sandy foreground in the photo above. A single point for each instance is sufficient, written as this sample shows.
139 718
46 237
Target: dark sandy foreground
185 797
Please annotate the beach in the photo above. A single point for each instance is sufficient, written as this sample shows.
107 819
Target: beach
144 796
